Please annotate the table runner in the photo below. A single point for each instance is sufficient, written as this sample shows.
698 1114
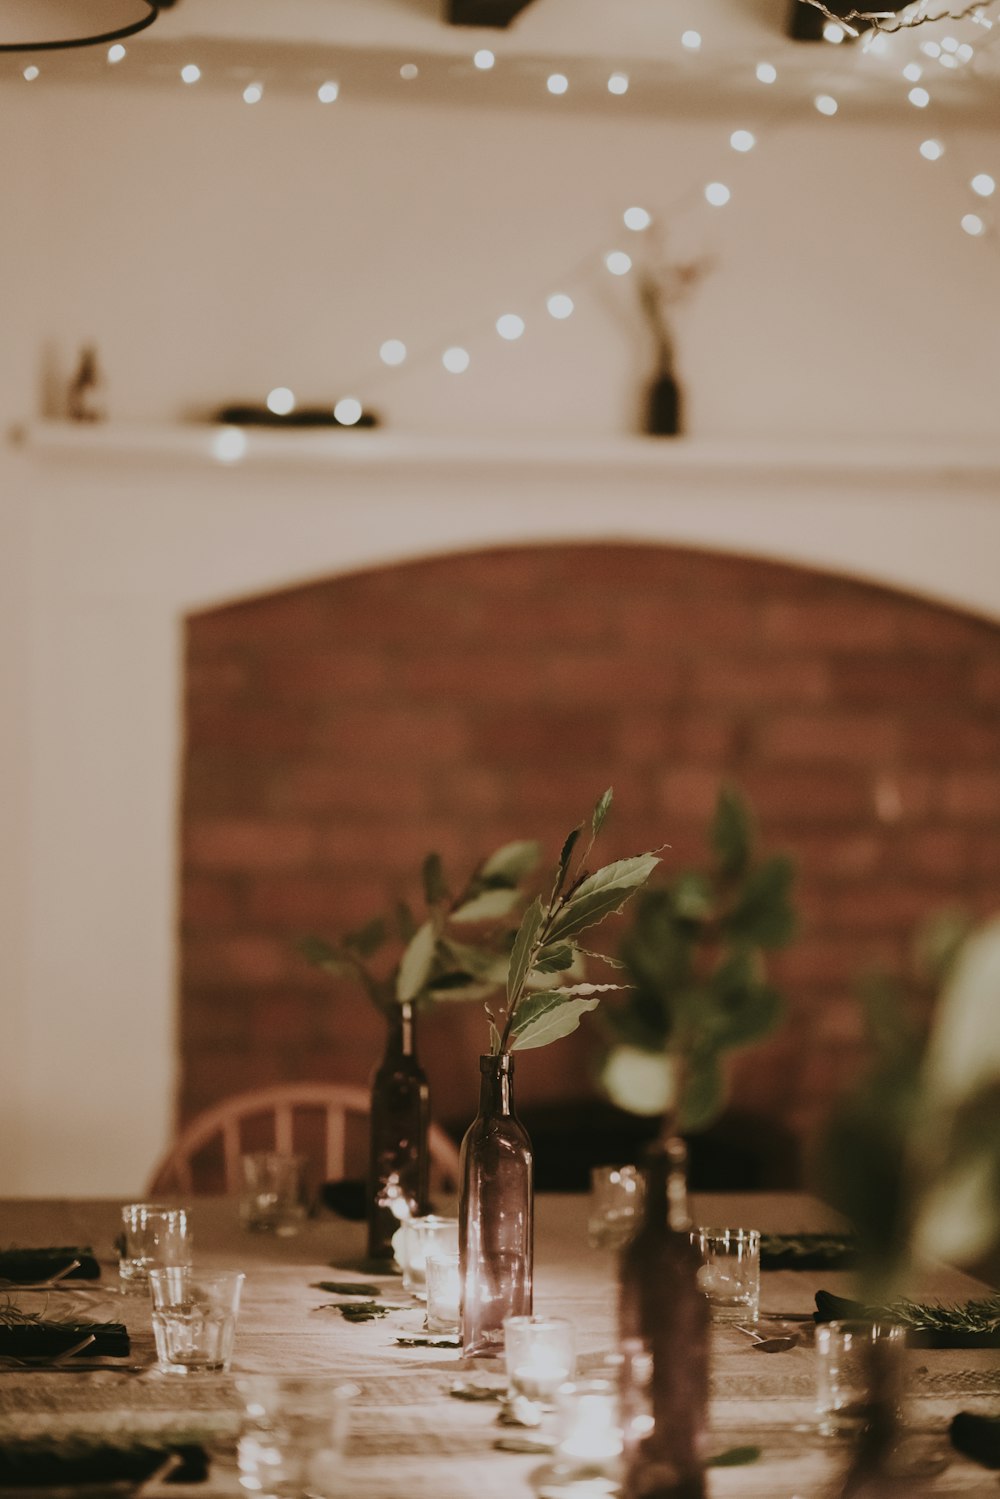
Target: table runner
411 1439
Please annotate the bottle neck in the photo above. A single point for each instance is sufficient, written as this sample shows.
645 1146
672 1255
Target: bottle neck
403 1031
496 1085
666 1186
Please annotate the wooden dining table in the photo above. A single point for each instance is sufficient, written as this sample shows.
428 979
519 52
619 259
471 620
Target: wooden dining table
413 1433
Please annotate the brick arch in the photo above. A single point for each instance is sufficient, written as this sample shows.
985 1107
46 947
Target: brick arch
338 731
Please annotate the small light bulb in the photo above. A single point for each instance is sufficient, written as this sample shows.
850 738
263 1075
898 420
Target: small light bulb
190 72
973 224
833 33
919 98
637 219
328 92
347 411
948 60
877 42
930 49
983 184
31 72
949 44
116 53
718 194
618 263
455 360
393 351
966 52
826 104
280 400
483 59
742 140
229 444
766 72
913 72
510 326
691 40
557 83
253 93
559 305
409 70
931 150
618 83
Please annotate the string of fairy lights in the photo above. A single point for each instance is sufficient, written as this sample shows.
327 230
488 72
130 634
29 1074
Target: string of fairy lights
942 52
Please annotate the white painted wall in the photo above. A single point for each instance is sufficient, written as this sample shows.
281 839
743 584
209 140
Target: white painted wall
212 251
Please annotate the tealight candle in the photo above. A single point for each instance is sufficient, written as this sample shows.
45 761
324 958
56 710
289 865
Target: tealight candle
444 1292
590 1430
541 1355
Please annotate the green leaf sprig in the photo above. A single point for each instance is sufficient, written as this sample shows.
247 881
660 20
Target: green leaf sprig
458 951
694 954
546 943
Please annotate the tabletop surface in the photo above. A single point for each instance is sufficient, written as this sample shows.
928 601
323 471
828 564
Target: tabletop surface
411 1438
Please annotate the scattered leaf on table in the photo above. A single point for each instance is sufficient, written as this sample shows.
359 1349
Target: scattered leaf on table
356 1311
345 1287
464 1389
734 1457
524 1444
431 1340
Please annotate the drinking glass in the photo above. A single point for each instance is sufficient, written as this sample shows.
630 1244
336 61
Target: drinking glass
730 1275
294 1434
273 1197
152 1235
858 1365
541 1355
194 1317
616 1194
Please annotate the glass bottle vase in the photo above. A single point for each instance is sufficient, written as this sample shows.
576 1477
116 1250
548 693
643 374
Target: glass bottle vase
495 1213
399 1122
664 1328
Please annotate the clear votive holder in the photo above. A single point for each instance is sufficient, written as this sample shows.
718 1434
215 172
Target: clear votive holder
540 1354
294 1433
194 1318
422 1237
616 1196
859 1367
444 1292
589 1441
730 1275
152 1235
273 1199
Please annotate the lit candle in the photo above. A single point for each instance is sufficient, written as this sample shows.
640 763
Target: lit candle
591 1432
541 1375
541 1355
444 1292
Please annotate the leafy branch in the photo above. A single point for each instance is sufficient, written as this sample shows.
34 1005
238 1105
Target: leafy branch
439 960
694 955
533 1012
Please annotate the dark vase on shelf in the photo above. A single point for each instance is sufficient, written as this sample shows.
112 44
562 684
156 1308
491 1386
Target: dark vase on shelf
400 1118
495 1213
664 411
664 1328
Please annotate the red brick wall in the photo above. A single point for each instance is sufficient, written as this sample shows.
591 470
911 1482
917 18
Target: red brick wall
338 732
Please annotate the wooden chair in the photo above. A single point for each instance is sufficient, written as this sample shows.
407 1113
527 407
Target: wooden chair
205 1156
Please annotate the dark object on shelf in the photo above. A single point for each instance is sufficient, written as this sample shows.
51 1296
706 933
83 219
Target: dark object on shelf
484 12
303 416
805 22
977 1436
663 407
25 1266
86 397
28 28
